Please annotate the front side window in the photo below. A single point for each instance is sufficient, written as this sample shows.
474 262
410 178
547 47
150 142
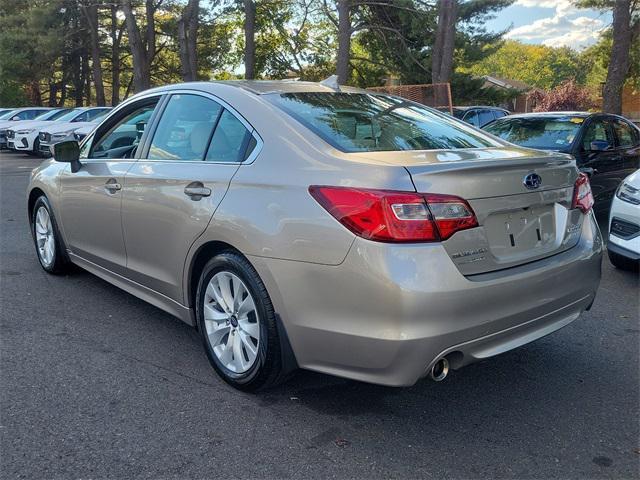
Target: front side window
472 118
626 135
121 140
29 114
555 133
95 113
184 130
597 131
485 117
358 122
68 115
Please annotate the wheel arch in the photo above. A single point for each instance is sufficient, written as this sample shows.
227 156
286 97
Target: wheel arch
34 194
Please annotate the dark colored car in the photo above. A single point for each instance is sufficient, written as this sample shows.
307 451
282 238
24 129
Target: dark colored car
477 115
605 146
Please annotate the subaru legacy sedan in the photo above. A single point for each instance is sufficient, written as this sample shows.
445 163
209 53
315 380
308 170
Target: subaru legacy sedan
301 226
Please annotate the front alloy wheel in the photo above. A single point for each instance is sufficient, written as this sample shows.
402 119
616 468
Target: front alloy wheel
45 240
46 237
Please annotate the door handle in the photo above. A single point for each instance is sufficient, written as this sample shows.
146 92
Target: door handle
112 186
196 190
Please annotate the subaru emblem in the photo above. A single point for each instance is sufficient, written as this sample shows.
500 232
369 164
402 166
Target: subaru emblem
532 181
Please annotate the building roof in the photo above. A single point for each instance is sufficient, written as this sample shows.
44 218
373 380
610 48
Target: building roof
507 83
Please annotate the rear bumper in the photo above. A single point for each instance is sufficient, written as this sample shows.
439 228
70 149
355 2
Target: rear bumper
388 312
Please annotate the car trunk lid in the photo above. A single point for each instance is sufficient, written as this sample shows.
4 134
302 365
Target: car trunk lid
517 223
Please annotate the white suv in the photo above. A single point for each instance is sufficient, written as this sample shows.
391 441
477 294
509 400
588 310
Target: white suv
624 224
23 136
64 130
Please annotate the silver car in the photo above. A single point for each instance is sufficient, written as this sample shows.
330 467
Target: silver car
335 230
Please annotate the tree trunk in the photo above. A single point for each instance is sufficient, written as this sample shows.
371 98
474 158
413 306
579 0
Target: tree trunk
249 39
116 38
187 40
443 47
344 41
91 14
141 67
86 77
192 37
619 59
33 93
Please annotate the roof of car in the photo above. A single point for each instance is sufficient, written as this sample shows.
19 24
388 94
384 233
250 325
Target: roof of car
551 114
469 107
263 87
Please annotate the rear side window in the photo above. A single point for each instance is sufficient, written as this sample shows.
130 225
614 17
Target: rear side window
359 122
230 140
499 114
185 128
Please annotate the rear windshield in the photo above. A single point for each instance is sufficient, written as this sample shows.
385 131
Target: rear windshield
358 122
544 133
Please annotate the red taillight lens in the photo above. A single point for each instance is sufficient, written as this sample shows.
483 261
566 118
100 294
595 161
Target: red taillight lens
389 216
582 195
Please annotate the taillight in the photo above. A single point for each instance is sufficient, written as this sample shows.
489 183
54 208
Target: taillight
582 195
390 216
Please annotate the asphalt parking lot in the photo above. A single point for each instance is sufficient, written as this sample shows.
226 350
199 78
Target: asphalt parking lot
95 383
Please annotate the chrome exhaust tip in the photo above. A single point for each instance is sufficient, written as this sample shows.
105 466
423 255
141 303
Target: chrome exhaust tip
440 370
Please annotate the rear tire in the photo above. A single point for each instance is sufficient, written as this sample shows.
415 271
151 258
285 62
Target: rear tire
237 323
623 263
47 240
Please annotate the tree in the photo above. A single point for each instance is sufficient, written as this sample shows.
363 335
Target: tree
249 39
90 12
443 47
344 40
625 31
536 65
142 51
188 40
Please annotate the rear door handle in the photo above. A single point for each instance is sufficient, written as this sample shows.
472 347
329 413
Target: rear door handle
196 190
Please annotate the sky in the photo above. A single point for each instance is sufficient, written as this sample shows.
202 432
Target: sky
551 22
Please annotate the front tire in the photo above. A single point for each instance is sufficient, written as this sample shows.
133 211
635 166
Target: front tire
623 263
46 236
36 148
238 325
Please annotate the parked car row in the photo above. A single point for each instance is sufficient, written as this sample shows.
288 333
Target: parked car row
34 130
297 224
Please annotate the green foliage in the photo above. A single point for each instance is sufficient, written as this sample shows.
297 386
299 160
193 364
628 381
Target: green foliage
536 65
596 57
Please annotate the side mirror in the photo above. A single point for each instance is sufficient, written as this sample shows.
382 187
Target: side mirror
67 152
599 145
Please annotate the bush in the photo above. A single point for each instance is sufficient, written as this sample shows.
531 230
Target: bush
568 96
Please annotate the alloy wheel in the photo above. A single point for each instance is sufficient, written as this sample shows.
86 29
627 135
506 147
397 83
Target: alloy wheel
44 237
231 322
